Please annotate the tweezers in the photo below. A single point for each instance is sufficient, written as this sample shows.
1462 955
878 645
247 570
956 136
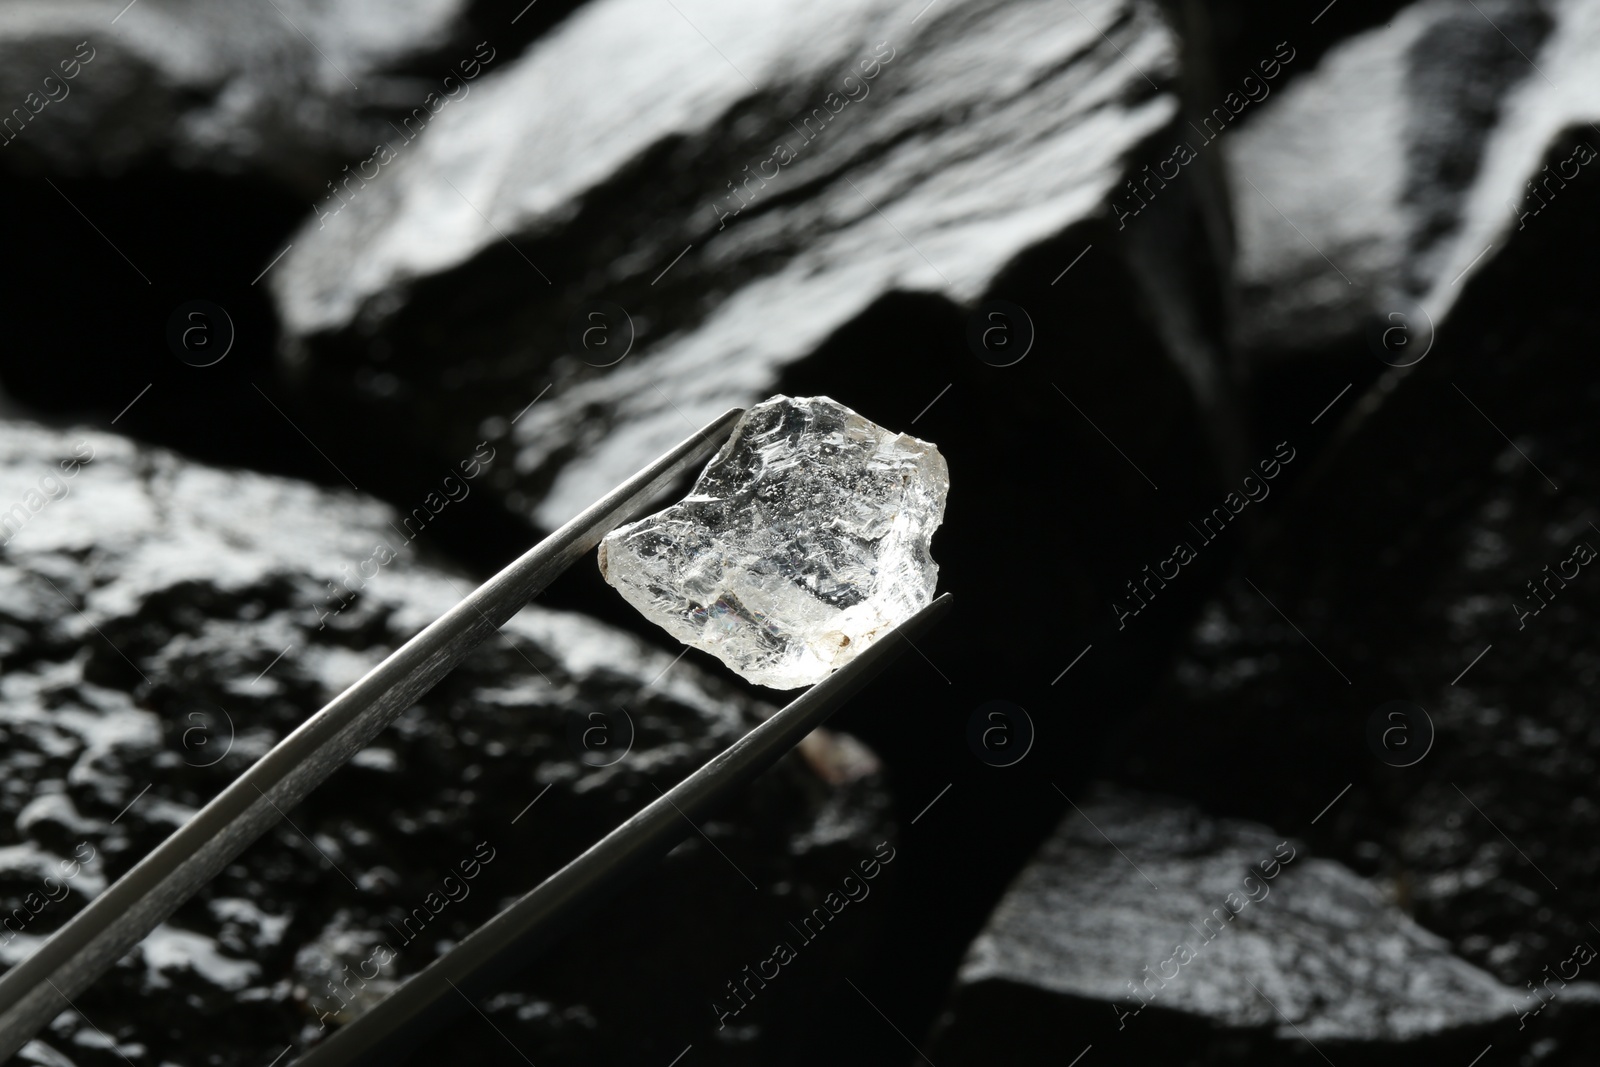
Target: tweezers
36 990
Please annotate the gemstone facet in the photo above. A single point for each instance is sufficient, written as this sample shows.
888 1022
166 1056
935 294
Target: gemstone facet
804 539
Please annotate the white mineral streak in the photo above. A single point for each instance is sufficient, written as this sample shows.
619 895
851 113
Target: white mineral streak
804 539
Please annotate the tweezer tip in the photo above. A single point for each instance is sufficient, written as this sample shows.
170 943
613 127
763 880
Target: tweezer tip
918 624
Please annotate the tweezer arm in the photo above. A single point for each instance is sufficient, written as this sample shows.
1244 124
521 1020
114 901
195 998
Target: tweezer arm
37 989
480 963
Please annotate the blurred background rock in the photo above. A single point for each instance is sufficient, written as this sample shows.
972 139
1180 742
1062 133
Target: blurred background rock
1112 256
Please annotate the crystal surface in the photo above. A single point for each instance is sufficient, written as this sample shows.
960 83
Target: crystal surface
804 540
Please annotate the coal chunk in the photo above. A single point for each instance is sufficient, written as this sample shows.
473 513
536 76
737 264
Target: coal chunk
166 622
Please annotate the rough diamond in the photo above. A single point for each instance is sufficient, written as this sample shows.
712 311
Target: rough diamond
804 539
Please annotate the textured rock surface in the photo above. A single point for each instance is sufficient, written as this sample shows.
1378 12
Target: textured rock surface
160 629
1230 37
1378 179
1406 562
729 238
996 143
993 143
1013 127
1282 948
803 541
281 87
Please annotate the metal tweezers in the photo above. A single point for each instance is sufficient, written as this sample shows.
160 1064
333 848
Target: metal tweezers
41 986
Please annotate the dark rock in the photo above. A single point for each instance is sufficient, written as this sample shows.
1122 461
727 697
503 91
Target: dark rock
1240 946
862 271
990 153
1226 40
1435 558
1370 185
282 88
167 622
517 248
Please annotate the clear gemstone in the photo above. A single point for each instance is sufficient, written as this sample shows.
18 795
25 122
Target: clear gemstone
804 539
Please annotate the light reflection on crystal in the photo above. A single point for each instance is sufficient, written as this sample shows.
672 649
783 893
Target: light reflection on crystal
804 539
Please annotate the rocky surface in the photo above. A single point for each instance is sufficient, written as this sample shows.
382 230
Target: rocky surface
1438 557
1144 927
678 236
1227 39
968 239
1371 185
165 622
956 254
283 88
